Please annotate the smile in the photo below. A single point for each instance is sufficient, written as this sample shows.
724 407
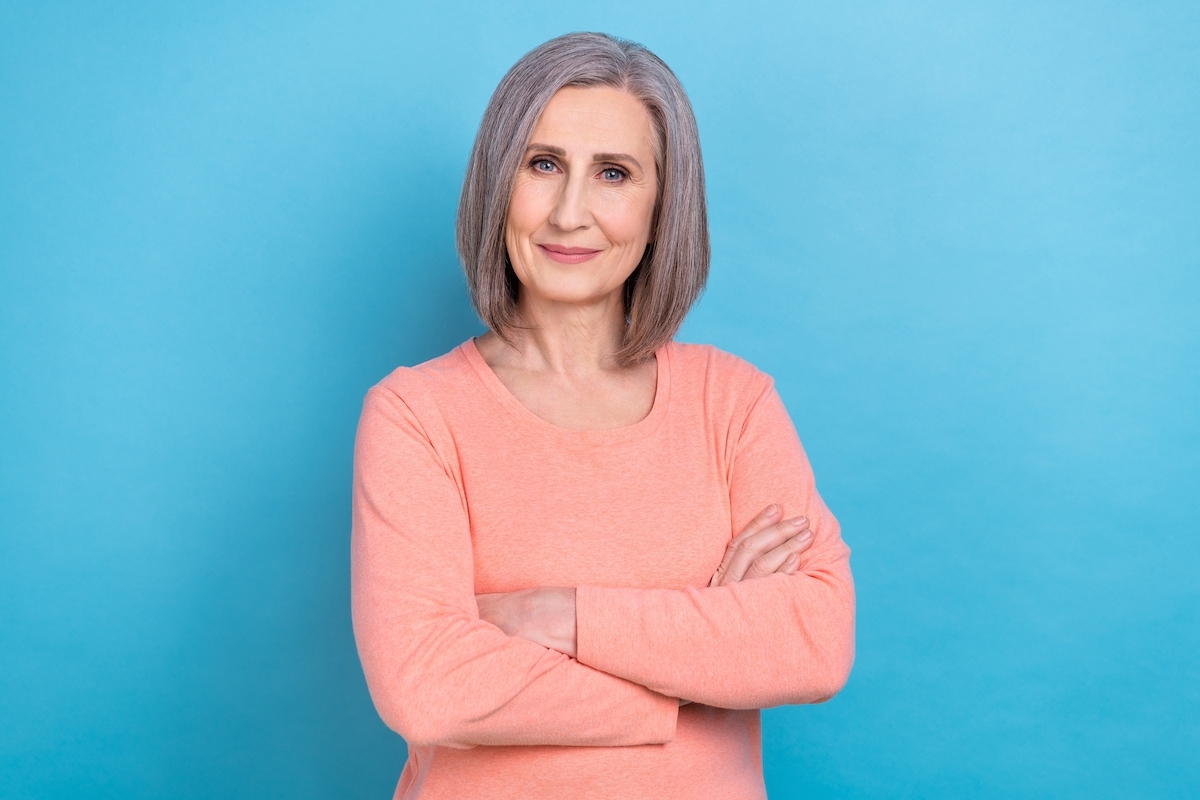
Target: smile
567 255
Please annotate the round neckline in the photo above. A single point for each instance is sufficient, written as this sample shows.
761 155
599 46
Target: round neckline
639 429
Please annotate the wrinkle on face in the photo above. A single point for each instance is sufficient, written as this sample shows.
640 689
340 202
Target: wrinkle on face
588 180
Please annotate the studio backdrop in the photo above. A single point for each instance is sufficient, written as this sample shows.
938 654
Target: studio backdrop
963 237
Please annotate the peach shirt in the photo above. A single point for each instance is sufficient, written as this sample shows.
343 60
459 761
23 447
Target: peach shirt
459 489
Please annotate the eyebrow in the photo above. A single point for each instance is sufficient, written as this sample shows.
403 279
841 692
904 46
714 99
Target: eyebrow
558 151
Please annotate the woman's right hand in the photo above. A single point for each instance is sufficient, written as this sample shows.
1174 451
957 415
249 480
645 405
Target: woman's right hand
766 546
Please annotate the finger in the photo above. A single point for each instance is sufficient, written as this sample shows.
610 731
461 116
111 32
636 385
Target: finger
762 542
774 560
750 548
763 521
792 565
768 517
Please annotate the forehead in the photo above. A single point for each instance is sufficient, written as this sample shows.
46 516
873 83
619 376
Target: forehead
596 119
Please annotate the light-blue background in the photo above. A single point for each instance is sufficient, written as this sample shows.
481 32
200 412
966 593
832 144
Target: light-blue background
964 237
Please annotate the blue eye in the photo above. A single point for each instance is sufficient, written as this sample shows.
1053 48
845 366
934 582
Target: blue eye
613 174
543 165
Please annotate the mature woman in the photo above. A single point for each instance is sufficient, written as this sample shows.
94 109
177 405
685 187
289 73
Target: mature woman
585 555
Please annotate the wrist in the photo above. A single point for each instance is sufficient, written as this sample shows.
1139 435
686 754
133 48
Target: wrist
550 619
564 621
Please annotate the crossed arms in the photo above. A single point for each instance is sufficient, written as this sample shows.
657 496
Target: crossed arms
440 673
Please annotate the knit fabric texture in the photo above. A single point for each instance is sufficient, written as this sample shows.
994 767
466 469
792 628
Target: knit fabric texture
460 490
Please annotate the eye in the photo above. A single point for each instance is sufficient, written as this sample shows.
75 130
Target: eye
613 174
543 165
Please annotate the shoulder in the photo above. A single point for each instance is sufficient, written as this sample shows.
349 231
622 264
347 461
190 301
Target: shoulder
726 391
424 395
717 373
404 416
444 376
719 387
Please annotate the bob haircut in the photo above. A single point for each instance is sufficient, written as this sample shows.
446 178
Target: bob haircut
674 268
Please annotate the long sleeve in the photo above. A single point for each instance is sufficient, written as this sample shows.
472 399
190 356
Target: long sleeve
754 644
438 674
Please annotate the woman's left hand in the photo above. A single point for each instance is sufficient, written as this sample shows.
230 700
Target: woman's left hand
543 616
766 546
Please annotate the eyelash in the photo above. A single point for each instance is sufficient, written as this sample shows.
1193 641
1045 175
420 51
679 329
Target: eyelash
533 164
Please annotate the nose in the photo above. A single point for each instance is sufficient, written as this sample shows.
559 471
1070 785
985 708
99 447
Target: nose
571 212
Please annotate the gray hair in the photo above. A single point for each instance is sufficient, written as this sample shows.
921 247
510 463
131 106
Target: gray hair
674 268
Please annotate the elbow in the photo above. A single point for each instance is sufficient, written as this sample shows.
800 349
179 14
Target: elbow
423 732
808 681
825 665
833 670
833 648
820 683
411 699
417 729
814 675
830 681
421 724
422 729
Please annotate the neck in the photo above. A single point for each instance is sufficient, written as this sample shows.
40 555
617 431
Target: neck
567 337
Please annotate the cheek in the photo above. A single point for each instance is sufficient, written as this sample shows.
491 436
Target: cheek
528 208
628 219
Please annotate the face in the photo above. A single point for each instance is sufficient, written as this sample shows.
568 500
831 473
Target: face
583 202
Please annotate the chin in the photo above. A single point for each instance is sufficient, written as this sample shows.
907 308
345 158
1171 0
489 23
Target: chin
578 290
573 298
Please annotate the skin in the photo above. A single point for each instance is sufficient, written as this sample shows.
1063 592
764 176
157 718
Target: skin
589 183
572 315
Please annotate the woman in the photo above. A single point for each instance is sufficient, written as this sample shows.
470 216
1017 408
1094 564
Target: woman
549 598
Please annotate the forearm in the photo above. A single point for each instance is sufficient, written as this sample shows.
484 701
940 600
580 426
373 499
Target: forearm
456 681
756 644
753 644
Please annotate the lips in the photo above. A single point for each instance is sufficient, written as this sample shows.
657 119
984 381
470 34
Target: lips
567 255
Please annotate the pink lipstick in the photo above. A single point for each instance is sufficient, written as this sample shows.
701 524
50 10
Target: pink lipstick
568 255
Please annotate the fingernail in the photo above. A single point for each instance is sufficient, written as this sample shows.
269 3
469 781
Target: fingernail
799 522
804 537
771 509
